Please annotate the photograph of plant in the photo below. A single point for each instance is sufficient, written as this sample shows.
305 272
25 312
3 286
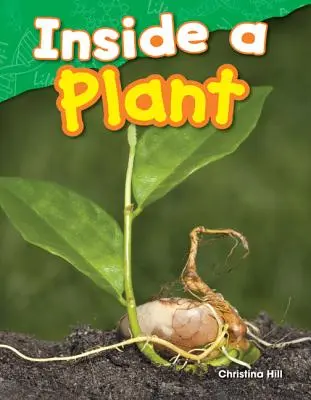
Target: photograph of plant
192 244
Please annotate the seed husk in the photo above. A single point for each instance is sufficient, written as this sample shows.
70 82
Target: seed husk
184 322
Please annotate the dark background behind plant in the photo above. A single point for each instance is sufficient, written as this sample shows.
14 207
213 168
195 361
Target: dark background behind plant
263 190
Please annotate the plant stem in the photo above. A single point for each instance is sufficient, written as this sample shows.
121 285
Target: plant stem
128 222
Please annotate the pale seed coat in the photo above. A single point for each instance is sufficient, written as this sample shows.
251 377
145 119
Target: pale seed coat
184 322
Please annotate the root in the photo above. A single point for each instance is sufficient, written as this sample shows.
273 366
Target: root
278 345
252 326
217 318
174 360
233 359
219 343
194 284
205 352
190 279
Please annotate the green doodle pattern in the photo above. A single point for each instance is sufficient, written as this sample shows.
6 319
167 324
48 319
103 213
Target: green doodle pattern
19 72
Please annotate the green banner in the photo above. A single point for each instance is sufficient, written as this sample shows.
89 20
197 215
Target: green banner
19 71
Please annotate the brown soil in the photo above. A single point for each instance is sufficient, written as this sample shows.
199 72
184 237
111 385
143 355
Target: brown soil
128 375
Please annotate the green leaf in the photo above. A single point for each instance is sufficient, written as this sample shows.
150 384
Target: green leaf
69 226
167 156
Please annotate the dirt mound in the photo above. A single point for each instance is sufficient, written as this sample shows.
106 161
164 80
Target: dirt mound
128 375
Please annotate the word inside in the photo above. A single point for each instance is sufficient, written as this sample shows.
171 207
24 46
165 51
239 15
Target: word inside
149 101
107 44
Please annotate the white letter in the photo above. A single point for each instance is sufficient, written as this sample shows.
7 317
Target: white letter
158 41
129 38
222 373
69 38
249 38
105 39
192 37
47 27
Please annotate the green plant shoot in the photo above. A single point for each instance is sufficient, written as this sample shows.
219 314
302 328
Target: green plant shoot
74 228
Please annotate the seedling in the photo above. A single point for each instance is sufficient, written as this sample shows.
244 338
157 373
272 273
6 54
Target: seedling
201 331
